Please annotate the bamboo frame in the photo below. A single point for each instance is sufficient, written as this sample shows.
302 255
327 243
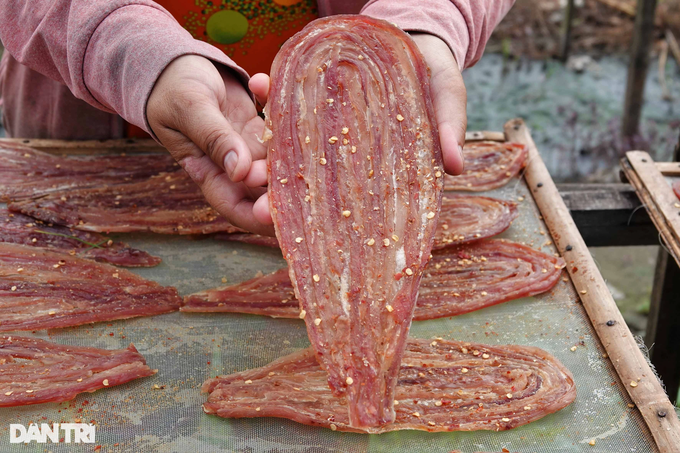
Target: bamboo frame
669 168
657 195
617 340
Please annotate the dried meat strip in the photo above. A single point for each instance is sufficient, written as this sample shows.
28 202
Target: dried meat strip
442 386
355 178
34 371
457 280
462 219
166 203
27 173
42 289
488 165
20 229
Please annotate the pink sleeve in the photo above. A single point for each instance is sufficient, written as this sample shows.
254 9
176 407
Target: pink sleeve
465 25
108 52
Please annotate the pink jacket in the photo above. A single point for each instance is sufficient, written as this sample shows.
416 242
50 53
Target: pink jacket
71 67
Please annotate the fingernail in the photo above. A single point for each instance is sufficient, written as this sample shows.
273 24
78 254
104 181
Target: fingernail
230 162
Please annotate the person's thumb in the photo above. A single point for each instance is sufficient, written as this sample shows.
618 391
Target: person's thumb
449 98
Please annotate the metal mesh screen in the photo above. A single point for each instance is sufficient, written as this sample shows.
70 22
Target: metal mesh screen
188 348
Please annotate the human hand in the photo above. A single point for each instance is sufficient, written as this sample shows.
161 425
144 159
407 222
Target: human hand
449 97
209 124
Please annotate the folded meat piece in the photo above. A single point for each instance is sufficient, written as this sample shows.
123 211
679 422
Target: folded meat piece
166 203
462 219
443 385
488 165
457 280
27 173
34 371
20 229
41 289
355 178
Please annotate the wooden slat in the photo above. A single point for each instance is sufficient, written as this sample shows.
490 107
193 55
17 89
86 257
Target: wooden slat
89 146
657 195
608 214
494 136
611 328
669 168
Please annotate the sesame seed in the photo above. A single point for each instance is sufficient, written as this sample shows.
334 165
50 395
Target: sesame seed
431 423
307 198
8 393
509 395
386 242
438 403
307 139
438 174
527 408
430 215
349 380
248 382
303 313
545 271
370 173
317 321
361 57
485 356
333 139
29 391
284 180
399 117
333 427
323 161
505 419
389 308
105 382
52 312
346 213
633 384
583 291
592 442
416 414
484 293
34 240
464 370
433 344
257 409
408 271
572 349
371 241
14 288
354 149
345 130
345 141
475 353
298 240
330 101
316 277
395 238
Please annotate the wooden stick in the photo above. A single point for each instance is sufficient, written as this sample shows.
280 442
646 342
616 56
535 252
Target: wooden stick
673 45
89 146
493 136
663 56
652 208
637 67
611 328
663 203
669 168
565 31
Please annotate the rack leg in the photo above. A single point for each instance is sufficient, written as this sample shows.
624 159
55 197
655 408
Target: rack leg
663 325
